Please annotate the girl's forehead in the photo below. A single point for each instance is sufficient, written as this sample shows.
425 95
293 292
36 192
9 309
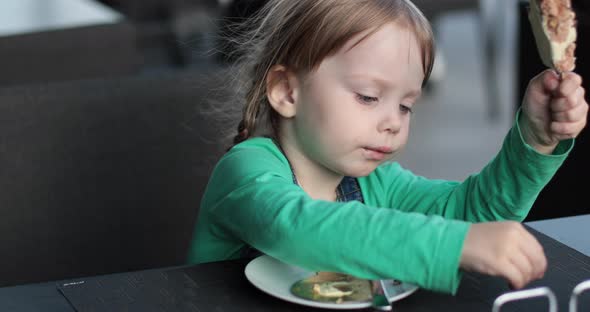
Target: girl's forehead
382 32
392 52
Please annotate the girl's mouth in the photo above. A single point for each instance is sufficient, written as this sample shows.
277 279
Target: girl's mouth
377 153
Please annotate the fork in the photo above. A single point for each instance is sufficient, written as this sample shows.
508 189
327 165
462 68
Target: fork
380 300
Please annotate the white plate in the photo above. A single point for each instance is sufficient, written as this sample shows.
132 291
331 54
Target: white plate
276 278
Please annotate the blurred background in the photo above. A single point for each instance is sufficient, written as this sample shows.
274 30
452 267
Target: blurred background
105 149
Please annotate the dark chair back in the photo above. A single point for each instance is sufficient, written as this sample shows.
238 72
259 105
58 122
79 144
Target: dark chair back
108 50
102 176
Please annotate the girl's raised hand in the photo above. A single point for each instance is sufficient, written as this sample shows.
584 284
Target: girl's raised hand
553 109
504 249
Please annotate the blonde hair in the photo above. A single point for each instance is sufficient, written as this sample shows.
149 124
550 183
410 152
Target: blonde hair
300 34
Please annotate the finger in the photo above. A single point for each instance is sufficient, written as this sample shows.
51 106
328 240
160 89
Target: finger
550 80
567 129
560 104
563 137
512 274
577 97
574 114
570 82
522 263
533 250
571 75
542 87
549 84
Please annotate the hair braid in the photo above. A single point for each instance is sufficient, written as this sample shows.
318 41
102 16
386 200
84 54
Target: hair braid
242 133
247 126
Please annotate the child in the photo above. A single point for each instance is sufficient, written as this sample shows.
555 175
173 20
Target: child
329 95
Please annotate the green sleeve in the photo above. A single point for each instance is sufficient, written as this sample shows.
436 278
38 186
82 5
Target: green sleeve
252 199
504 190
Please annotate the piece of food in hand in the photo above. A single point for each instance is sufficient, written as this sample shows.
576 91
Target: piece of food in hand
332 287
554 27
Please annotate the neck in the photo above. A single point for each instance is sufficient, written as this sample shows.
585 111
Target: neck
316 180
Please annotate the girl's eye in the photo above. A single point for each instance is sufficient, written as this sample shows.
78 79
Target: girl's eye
405 109
366 99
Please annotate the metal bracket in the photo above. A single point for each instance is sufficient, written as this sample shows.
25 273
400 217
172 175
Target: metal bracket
580 288
526 294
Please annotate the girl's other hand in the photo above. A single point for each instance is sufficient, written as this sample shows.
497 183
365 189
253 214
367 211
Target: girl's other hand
504 249
553 109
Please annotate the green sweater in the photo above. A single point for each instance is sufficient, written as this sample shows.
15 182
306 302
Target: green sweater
409 228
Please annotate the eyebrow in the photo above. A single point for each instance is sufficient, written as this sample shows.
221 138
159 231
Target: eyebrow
415 93
383 83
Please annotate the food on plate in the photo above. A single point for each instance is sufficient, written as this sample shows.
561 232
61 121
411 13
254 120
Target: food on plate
554 26
332 287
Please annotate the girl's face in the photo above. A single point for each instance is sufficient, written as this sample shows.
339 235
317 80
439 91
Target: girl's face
353 113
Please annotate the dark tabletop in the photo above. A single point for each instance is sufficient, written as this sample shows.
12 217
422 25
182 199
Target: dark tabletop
222 287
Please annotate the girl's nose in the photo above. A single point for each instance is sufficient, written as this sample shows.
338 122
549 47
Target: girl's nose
390 120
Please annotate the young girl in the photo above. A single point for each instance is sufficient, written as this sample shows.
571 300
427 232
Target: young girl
310 181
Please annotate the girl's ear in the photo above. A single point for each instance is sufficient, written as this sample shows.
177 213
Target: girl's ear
281 90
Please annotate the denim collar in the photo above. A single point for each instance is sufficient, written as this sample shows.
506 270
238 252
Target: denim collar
348 189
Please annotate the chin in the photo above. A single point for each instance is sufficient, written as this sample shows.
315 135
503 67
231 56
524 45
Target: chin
360 172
